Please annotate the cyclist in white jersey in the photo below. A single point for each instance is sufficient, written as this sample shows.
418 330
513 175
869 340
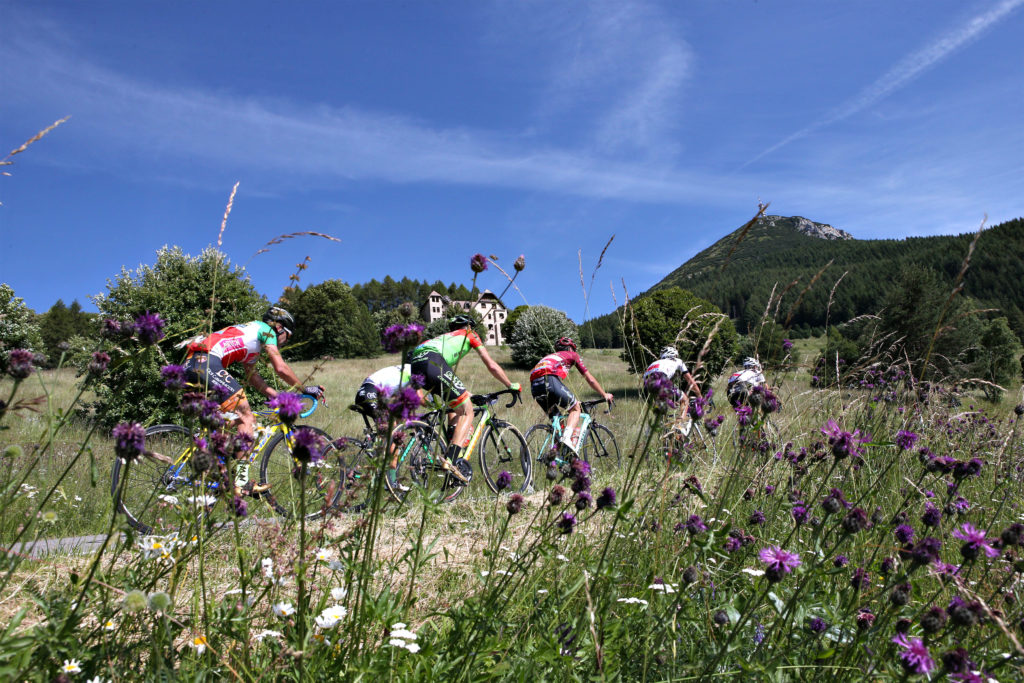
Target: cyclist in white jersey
672 367
743 382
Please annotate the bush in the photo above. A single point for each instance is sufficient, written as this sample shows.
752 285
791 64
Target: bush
329 321
18 329
676 317
535 334
179 288
998 357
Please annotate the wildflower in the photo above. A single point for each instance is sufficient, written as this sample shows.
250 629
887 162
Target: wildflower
926 551
556 495
338 593
160 602
743 413
287 405
324 554
970 468
1012 534
661 391
721 618
957 661
135 601
855 520
900 594
331 617
756 518
173 376
904 533
71 666
844 444
659 586
690 575
478 263
20 364
240 507
584 500
129 440
267 565
834 502
519 264
633 601
933 619
503 480
915 657
198 644
786 345
109 625
817 625
283 609
695 525
98 364
799 513
50 517
865 618
932 515
779 562
860 579
267 634
149 328
974 542
307 445
399 337
566 523
905 439
887 565
840 561
606 499
514 504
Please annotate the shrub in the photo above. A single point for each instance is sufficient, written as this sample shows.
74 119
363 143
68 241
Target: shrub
18 329
678 318
536 331
329 321
179 288
998 356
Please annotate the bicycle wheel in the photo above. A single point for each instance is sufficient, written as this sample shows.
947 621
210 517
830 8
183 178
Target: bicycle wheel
355 458
503 448
157 498
284 475
540 441
600 450
418 450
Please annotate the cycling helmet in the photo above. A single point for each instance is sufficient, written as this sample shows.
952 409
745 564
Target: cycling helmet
751 363
564 343
669 352
276 314
459 321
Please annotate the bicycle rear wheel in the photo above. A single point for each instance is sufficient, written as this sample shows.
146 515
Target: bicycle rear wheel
157 498
600 450
418 450
284 474
540 440
503 448
357 473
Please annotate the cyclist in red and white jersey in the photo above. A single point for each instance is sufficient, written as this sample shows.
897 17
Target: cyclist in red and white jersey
672 367
208 359
551 394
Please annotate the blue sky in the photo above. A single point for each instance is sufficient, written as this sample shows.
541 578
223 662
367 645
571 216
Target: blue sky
419 133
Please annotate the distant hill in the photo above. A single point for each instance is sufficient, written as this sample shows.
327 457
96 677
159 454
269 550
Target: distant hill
787 252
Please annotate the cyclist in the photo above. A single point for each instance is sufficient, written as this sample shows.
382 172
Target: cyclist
671 366
743 382
551 394
208 359
433 359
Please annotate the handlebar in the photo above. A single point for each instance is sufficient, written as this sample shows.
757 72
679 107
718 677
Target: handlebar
304 414
483 399
588 405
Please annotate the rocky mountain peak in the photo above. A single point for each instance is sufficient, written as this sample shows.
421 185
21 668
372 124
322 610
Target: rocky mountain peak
822 231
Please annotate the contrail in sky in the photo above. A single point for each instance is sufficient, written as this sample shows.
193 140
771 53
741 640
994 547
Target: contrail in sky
903 72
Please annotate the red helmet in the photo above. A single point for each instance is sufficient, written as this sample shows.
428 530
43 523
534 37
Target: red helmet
565 343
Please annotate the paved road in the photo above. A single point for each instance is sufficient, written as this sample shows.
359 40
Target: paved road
73 545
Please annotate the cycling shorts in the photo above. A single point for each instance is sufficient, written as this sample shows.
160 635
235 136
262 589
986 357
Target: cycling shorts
206 373
551 394
739 392
368 400
439 378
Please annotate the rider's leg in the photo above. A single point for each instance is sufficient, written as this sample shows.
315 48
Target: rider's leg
572 422
463 422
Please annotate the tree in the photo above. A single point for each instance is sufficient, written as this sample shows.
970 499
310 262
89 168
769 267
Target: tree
509 326
676 317
180 288
62 323
18 328
535 334
998 357
329 321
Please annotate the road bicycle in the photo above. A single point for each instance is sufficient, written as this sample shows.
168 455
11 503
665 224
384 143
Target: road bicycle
421 444
598 448
160 491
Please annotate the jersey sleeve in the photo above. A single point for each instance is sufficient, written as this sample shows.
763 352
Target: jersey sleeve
578 362
266 334
474 339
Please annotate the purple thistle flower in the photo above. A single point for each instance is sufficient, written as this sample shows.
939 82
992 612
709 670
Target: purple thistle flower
20 363
786 345
503 480
757 518
855 520
113 329
606 499
695 525
567 522
835 501
173 376
403 404
478 263
584 500
99 363
926 551
865 618
974 542
840 561
779 562
287 405
580 468
905 439
519 264
129 440
241 507
743 413
800 514
399 337
915 657
149 328
556 495
860 579
844 444
661 392
514 504
932 515
970 468
307 445
817 624
904 533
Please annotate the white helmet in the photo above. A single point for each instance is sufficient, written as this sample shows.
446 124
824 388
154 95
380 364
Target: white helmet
751 363
669 352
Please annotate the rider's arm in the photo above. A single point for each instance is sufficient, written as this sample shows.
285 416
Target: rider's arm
596 386
692 383
493 367
280 367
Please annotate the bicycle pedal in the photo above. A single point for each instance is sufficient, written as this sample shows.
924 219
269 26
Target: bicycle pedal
453 470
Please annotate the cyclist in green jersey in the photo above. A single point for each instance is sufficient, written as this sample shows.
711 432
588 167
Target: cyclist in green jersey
433 359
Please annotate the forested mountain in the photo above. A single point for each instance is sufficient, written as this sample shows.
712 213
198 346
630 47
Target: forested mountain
787 253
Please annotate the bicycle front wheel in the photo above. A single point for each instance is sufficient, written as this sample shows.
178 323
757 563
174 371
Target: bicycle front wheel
288 479
503 448
600 450
540 440
153 495
417 451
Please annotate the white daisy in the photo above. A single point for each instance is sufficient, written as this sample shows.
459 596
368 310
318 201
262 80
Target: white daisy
267 634
338 593
71 666
283 609
331 616
198 644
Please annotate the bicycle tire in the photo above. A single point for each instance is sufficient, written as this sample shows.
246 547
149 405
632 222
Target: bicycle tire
280 470
420 449
356 476
503 448
146 480
600 449
539 439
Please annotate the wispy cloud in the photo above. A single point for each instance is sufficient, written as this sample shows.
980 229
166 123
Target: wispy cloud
904 71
